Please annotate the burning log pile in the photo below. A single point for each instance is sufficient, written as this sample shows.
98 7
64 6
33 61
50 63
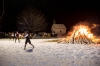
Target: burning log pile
79 39
81 34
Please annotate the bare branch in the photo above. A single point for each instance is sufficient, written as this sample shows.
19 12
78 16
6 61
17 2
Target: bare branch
32 19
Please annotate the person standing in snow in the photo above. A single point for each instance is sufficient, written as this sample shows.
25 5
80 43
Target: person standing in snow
27 39
17 37
9 34
14 35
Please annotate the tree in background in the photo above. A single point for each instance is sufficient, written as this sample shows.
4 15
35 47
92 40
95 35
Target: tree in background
31 19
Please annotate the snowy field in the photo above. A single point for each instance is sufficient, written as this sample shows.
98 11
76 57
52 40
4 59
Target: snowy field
48 54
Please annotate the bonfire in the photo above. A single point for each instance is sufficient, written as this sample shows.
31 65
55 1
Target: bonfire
81 34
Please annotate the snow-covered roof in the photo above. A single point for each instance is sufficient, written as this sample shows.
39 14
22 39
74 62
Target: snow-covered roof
59 26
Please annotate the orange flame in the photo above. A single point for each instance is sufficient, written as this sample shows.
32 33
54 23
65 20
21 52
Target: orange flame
84 30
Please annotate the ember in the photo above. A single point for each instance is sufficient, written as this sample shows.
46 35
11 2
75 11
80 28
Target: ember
81 34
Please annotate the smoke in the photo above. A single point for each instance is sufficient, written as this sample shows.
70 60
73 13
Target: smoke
96 30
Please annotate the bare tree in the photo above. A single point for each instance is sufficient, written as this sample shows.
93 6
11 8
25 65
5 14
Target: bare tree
32 19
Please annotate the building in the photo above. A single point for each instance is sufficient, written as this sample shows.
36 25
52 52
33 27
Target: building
58 28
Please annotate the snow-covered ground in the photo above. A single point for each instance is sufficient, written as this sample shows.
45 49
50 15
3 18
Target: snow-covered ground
48 54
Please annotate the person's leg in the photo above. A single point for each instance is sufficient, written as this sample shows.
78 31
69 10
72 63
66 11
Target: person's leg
25 44
18 40
15 39
30 43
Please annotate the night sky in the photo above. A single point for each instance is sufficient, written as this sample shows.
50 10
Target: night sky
63 11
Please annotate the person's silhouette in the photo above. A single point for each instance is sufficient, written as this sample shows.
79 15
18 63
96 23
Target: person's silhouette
27 36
